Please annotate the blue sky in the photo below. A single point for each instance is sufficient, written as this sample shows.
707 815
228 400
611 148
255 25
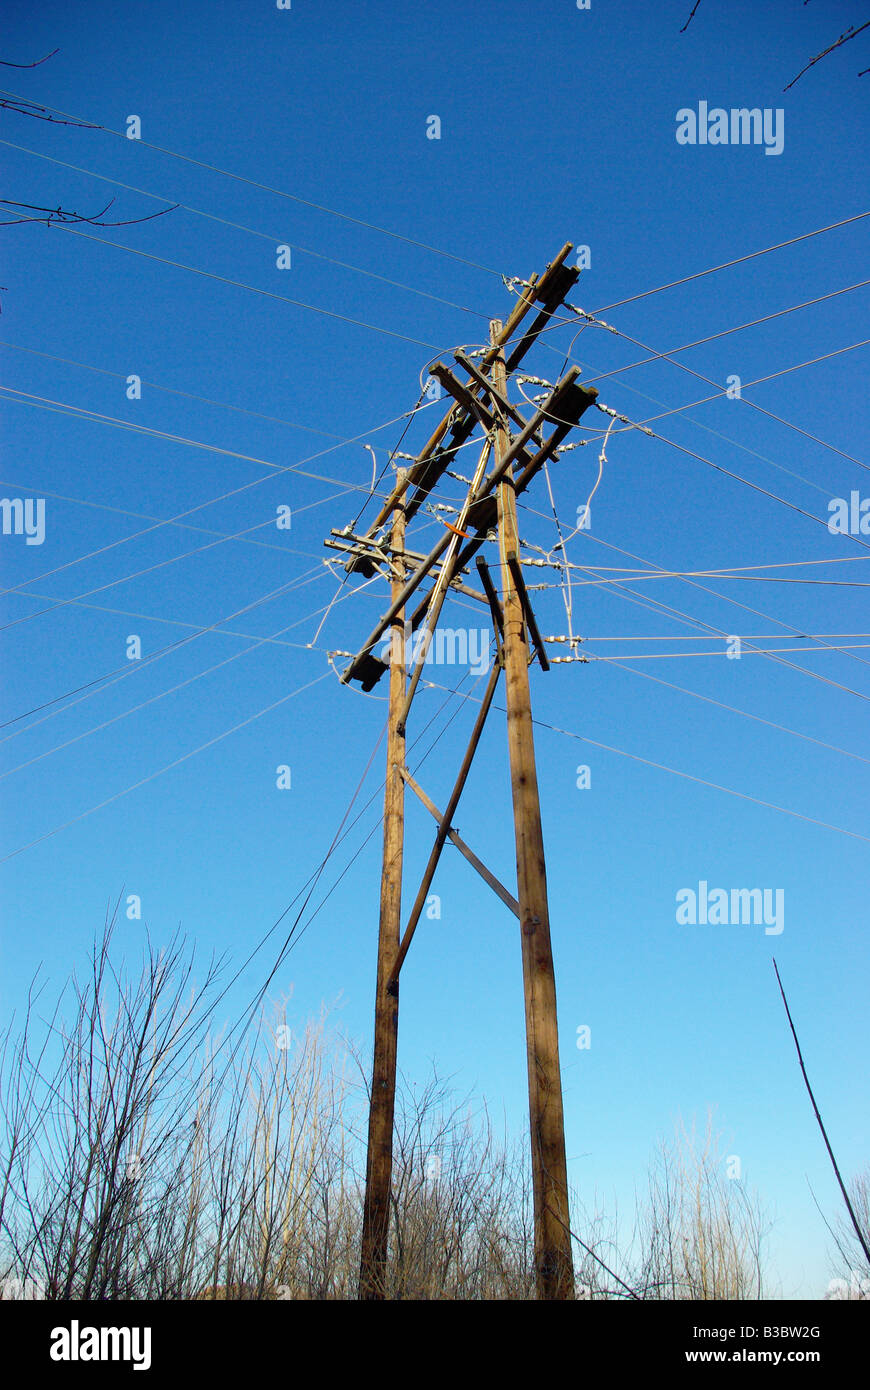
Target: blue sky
556 125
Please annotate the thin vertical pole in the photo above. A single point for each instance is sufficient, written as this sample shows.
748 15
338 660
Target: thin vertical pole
379 1164
553 1256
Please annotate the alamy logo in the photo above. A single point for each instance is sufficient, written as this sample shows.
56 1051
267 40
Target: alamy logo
850 518
76 1343
13 1289
856 1290
447 646
24 517
741 125
737 907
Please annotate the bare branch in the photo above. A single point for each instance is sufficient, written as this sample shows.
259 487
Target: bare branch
860 1234
851 33
40 113
64 218
691 17
5 64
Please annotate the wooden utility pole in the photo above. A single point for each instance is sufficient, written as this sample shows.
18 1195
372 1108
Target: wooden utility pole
553 1256
376 1212
480 402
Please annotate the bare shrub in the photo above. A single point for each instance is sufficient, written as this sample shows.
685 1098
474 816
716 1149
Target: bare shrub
700 1233
143 1157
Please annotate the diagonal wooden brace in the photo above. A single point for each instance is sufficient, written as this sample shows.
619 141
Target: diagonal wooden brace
523 595
445 829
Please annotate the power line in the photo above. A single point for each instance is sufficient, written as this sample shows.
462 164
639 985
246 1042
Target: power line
682 637
240 227
656 605
772 376
737 444
635 575
745 714
224 631
738 260
149 516
669 357
713 337
259 641
120 672
756 487
43 402
175 763
738 477
678 772
776 579
750 651
111 584
292 939
704 782
98 417
242 285
173 391
679 410
256 642
266 188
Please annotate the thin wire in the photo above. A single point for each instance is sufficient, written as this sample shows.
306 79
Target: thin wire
683 637
240 227
172 391
759 719
120 672
702 781
149 516
242 285
656 605
784 371
149 569
567 595
175 763
725 573
256 643
688 776
756 487
738 260
293 937
750 651
737 476
668 357
98 417
711 338
644 427
233 492
266 188
717 433
735 443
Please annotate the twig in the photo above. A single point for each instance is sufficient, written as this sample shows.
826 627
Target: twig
851 33
60 215
849 1208
5 64
691 17
39 113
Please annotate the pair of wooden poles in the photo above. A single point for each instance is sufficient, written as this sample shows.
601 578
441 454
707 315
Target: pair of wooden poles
553 1252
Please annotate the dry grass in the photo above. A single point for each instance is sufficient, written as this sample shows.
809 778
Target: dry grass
141 1158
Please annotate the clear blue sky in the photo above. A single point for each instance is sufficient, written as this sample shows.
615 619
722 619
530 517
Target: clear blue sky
556 125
